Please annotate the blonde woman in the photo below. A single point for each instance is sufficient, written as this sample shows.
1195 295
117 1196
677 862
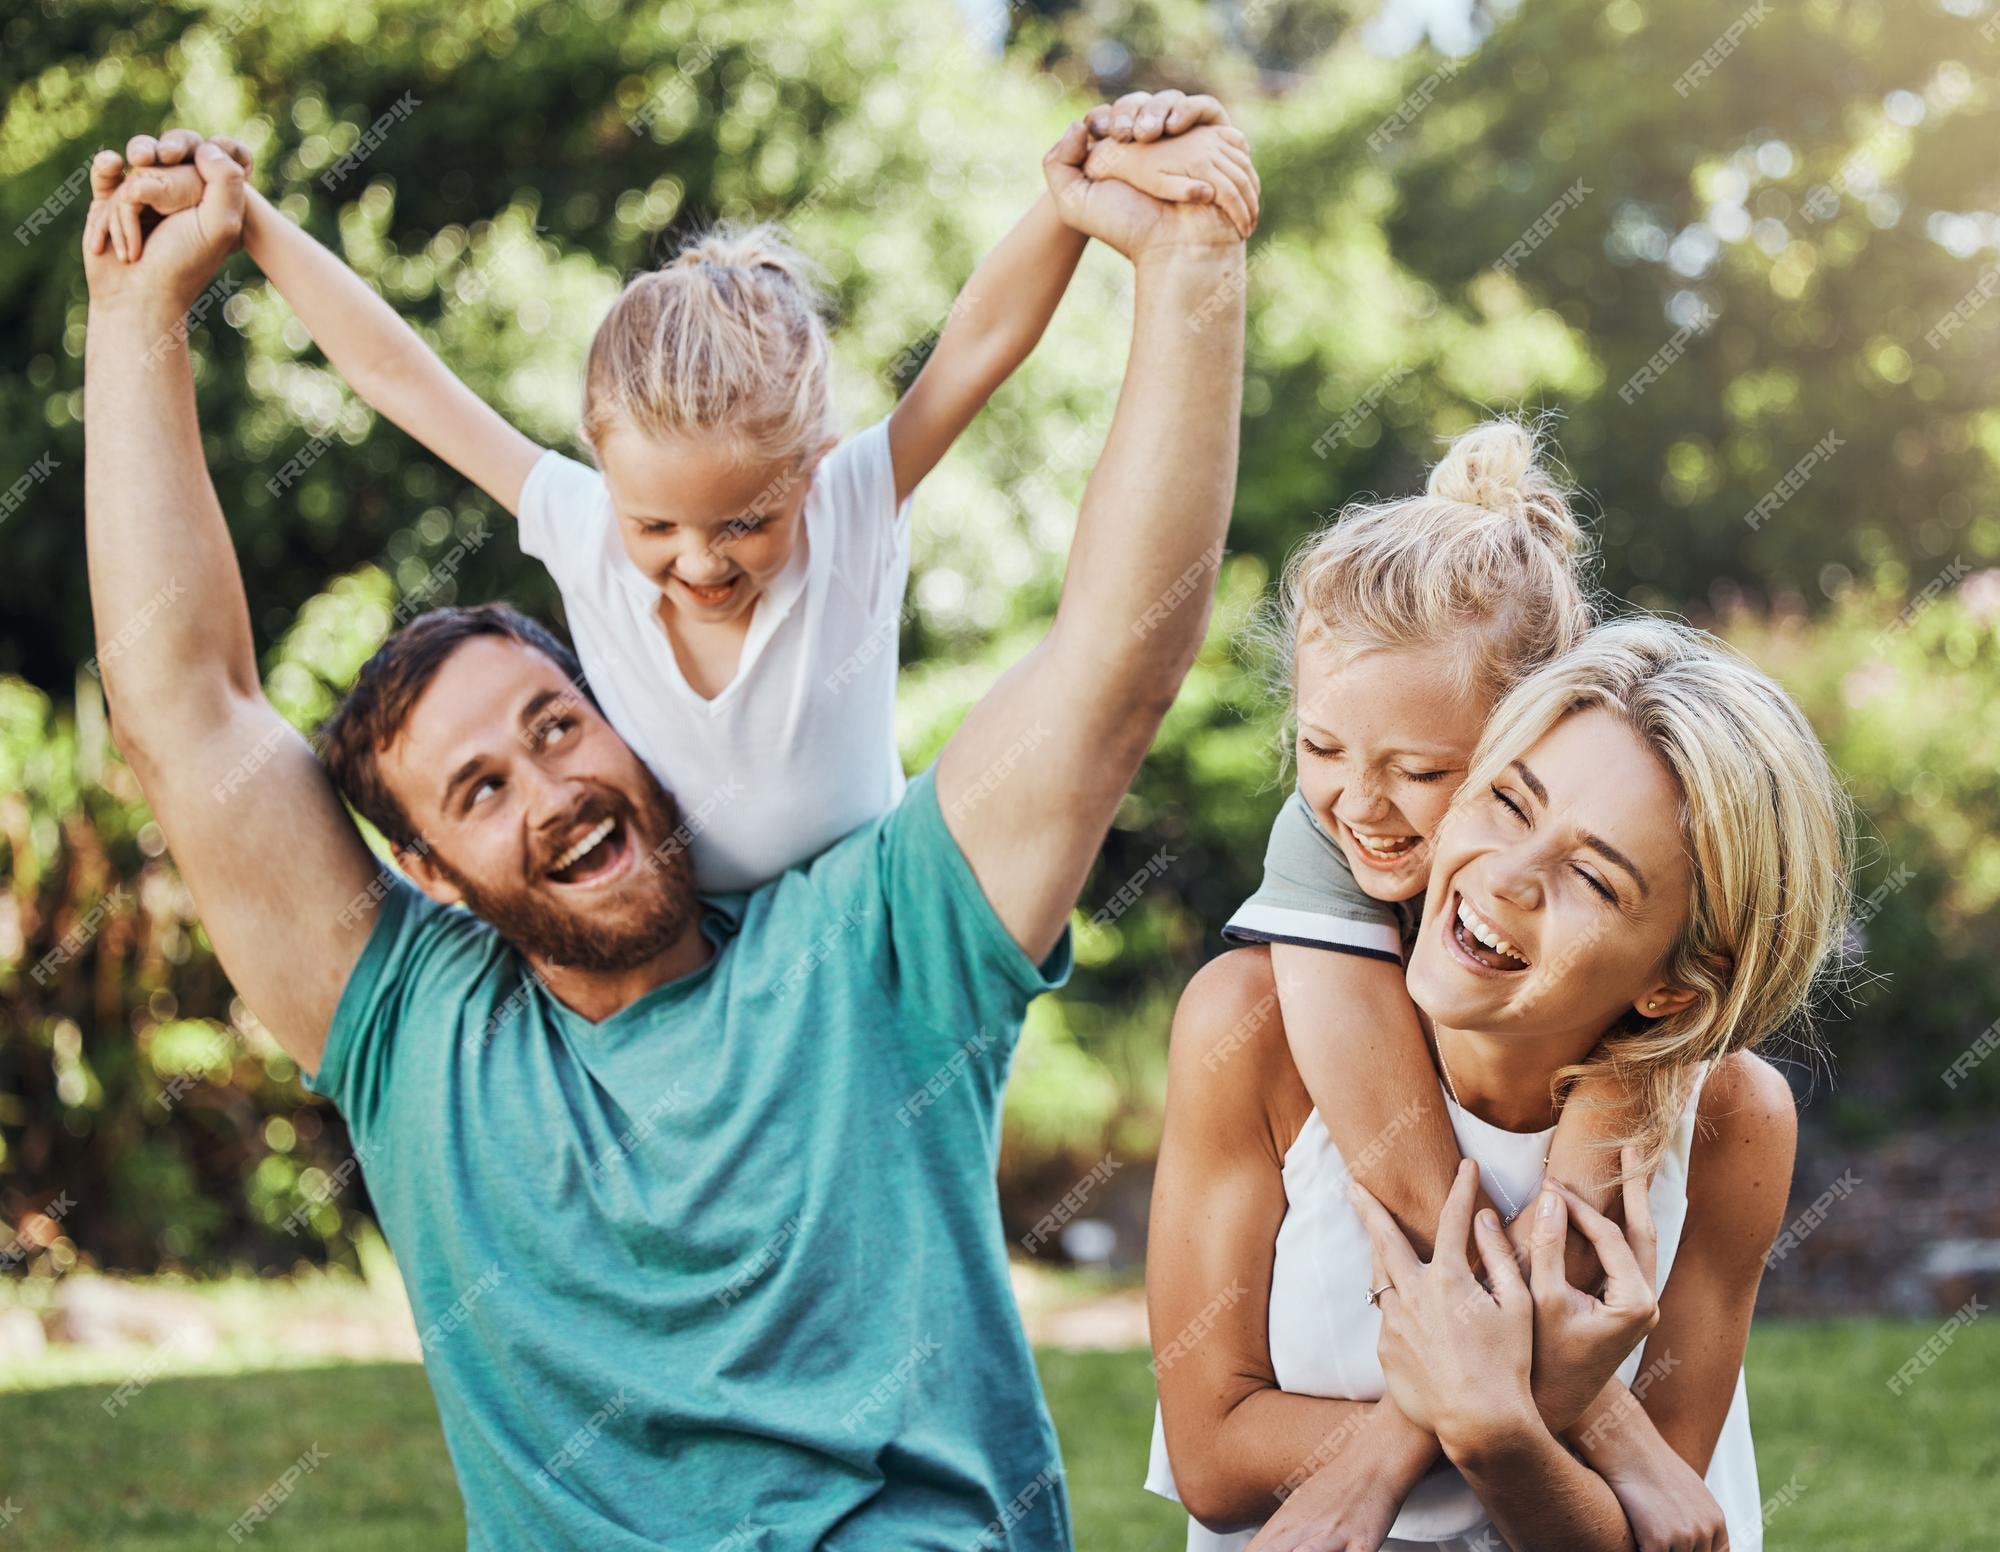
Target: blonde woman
1652 831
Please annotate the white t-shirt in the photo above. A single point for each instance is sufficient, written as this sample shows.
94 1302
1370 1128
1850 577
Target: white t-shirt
798 748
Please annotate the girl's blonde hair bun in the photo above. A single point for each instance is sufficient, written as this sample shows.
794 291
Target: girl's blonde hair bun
727 338
763 247
1499 465
1489 561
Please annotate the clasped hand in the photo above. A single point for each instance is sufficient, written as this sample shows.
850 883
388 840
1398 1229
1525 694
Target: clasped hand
1475 1360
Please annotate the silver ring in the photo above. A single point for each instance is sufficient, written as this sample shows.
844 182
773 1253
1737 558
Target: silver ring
1375 1295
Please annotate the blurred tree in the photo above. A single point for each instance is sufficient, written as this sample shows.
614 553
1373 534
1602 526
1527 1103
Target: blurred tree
1820 193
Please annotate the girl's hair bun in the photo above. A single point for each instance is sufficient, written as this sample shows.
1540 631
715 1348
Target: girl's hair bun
1488 561
1498 465
761 247
726 337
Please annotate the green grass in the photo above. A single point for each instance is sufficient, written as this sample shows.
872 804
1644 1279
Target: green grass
1103 1407
1919 1472
177 1466
1880 1473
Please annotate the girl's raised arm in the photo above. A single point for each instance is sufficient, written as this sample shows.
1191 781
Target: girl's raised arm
384 360
1005 306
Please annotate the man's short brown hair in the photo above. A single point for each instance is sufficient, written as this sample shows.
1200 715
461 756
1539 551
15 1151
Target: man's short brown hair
366 722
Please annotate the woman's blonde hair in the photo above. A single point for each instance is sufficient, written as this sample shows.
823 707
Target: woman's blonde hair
728 337
1767 831
1488 560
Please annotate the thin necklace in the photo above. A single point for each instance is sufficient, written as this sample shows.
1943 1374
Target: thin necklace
1451 1088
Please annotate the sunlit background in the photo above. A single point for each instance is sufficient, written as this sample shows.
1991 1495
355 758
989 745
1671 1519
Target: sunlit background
1741 254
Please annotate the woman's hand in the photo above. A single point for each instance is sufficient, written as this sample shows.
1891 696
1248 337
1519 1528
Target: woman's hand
1580 1340
1350 1503
1456 1353
1669 1507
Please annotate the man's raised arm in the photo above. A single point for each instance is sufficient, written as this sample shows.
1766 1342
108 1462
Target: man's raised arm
1029 782
279 874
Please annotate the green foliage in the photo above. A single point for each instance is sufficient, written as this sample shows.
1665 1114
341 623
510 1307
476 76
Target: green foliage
554 148
132 1080
1816 191
1907 700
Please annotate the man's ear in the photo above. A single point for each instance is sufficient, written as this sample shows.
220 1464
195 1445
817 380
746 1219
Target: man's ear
419 864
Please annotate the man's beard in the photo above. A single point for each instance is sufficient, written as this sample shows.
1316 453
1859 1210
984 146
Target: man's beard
654 906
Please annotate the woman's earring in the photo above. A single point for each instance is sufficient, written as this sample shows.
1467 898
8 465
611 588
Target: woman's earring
1651 1004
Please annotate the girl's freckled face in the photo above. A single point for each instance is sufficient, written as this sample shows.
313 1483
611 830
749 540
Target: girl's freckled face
707 530
1384 741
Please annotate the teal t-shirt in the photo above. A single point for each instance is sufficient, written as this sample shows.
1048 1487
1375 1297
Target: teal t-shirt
726 1269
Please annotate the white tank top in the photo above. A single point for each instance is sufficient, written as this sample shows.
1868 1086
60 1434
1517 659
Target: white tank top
1324 1333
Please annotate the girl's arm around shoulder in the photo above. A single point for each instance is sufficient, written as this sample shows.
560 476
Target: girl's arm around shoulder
1357 1043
